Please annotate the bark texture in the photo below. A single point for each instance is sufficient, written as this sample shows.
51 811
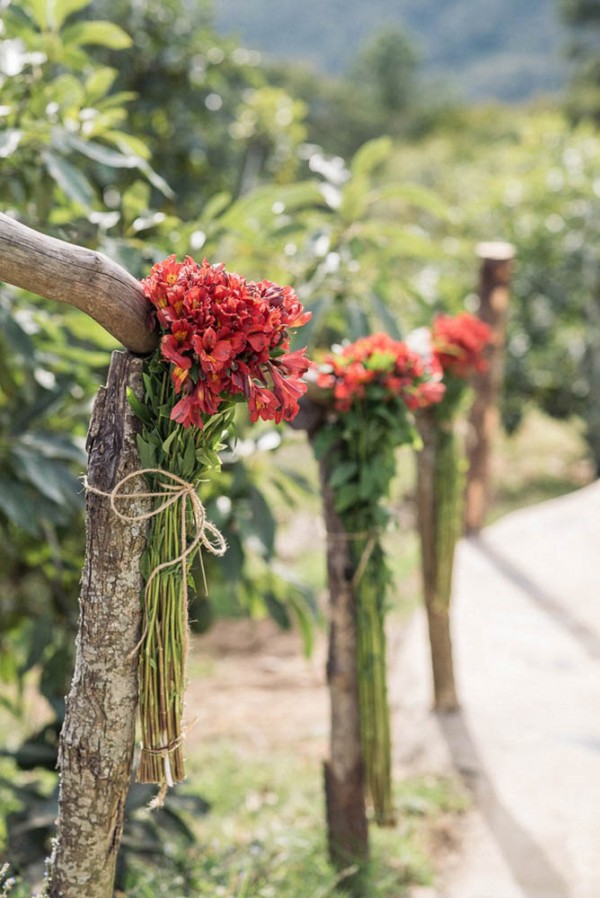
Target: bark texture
494 283
79 277
439 489
347 830
97 740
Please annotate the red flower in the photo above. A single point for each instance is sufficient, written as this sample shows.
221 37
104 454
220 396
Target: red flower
361 370
459 343
223 336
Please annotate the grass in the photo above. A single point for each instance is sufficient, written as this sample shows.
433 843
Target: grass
544 459
264 836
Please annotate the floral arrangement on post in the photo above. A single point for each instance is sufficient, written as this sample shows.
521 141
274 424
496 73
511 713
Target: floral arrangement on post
457 344
224 340
375 384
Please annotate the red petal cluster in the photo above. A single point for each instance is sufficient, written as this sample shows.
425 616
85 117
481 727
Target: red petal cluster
380 362
224 336
459 343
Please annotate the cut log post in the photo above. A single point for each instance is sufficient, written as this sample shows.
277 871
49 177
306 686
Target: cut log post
79 277
97 739
347 828
494 283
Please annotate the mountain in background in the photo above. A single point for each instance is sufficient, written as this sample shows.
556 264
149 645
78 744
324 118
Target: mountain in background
504 49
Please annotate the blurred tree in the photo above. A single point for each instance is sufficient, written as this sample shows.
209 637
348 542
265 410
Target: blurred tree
386 68
583 16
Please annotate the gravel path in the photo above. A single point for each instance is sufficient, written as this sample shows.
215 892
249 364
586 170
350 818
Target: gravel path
527 625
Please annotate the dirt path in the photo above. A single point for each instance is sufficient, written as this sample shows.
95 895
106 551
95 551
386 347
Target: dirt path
527 625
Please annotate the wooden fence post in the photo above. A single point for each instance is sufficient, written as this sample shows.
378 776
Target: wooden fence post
96 745
347 827
347 830
494 282
97 739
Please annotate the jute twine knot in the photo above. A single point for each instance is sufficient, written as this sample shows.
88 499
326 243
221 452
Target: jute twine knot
205 532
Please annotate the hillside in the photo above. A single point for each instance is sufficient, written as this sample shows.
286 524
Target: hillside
508 49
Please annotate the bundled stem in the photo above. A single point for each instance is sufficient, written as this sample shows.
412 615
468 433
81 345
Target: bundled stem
372 679
163 656
440 487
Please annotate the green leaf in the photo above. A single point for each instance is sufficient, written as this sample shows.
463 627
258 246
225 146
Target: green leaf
65 8
324 441
342 473
99 83
263 522
47 476
415 195
40 635
15 502
38 10
389 322
346 497
104 34
102 154
9 141
277 610
147 453
370 156
140 410
70 180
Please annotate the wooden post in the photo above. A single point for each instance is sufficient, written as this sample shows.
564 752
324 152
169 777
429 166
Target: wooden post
347 828
97 739
495 275
347 831
96 745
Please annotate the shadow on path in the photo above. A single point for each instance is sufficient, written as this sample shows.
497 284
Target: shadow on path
528 863
544 600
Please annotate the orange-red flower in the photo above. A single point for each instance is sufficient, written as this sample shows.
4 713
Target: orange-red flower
224 335
379 368
459 343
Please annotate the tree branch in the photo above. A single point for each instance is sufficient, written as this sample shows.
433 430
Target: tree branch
79 277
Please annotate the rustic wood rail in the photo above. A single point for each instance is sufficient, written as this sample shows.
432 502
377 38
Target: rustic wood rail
77 276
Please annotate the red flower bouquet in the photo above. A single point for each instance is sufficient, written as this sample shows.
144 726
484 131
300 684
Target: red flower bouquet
227 337
376 383
380 368
459 343
224 340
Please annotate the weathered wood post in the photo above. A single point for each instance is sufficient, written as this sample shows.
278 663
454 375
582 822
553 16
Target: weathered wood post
97 740
494 283
347 828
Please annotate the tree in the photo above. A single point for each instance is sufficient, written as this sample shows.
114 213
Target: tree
386 69
583 16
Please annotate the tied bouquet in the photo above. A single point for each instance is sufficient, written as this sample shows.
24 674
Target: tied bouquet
458 345
224 340
375 385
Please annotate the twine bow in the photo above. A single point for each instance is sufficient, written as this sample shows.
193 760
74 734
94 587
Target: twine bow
206 533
